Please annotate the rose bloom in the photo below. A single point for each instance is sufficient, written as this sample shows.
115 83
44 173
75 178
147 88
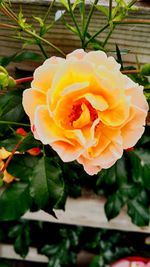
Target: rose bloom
85 108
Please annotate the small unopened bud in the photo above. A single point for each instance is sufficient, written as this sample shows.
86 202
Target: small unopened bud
5 79
11 82
35 151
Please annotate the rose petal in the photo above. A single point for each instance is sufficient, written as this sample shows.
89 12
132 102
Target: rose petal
31 99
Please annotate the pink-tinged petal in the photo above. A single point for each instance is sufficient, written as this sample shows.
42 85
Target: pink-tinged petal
66 151
96 57
77 54
109 156
49 132
134 128
122 263
90 169
31 99
54 60
43 77
137 97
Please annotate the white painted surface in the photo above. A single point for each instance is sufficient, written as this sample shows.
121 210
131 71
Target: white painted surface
88 212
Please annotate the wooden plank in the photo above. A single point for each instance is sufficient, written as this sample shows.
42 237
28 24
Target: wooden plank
88 211
7 252
135 38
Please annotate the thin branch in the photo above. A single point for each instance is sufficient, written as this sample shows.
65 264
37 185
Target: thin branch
11 156
74 20
96 34
23 80
13 27
90 16
14 123
133 21
130 71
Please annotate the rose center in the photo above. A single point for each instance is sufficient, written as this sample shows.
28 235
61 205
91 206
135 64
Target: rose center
82 113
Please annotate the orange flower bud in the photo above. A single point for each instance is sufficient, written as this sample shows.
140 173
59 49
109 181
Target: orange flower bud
35 151
21 131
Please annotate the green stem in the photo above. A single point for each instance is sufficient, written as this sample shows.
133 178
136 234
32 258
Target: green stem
108 36
14 123
89 17
110 9
83 15
44 41
132 3
74 20
48 11
42 50
96 34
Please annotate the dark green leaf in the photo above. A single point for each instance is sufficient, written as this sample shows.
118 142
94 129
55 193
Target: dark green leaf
14 201
18 57
47 186
11 142
119 57
146 69
11 106
138 213
121 172
113 205
21 166
28 143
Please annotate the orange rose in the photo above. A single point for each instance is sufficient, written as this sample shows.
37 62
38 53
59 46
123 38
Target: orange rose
85 108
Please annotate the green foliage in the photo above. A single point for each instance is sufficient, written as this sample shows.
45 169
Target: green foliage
46 185
14 201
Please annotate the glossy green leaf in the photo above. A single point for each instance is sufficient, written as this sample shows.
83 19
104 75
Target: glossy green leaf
21 166
146 69
121 172
47 186
29 142
138 213
11 106
14 201
103 9
113 205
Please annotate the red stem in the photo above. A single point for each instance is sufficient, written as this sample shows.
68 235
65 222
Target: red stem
10 157
24 80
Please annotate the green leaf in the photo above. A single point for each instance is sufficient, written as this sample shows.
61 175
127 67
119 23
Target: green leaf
21 166
121 172
146 69
18 57
119 57
47 186
65 4
140 159
28 143
11 106
103 9
76 2
39 20
138 213
113 205
22 242
54 262
70 27
14 201
10 142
